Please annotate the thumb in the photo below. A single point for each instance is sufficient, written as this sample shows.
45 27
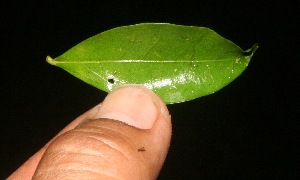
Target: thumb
132 146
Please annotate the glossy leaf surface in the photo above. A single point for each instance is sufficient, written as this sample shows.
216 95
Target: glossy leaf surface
179 63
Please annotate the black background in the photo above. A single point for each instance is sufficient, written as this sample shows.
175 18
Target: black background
248 129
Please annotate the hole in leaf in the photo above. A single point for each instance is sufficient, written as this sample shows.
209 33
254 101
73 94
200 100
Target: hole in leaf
111 80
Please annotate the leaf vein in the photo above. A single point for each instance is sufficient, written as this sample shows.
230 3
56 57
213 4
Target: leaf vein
142 61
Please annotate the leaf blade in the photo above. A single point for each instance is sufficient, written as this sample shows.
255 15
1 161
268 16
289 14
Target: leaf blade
179 63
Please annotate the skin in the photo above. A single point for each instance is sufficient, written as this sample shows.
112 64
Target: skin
127 136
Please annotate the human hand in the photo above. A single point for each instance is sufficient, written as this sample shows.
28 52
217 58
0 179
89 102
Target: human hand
125 137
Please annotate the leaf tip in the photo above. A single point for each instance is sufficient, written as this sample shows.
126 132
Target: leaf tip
50 60
251 51
254 48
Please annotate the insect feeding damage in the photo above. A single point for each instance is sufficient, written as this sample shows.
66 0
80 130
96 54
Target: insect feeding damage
112 81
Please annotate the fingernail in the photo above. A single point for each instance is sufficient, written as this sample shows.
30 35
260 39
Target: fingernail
134 105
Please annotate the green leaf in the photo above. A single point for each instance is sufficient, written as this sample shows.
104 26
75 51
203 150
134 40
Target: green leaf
179 63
